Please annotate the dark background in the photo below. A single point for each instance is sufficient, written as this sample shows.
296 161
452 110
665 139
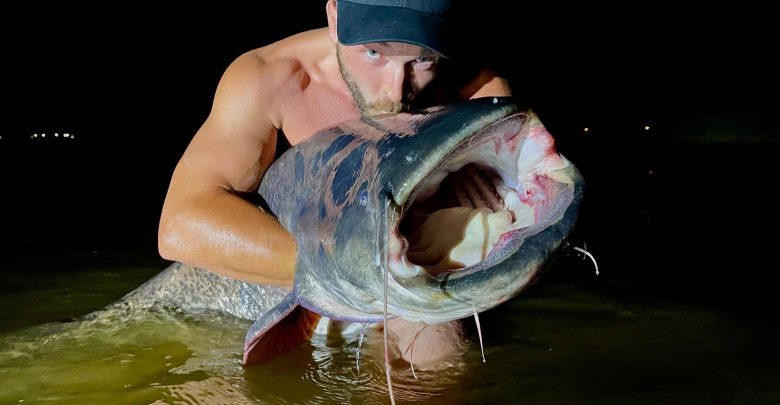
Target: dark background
134 84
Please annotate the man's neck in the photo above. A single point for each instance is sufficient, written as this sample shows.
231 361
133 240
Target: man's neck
329 67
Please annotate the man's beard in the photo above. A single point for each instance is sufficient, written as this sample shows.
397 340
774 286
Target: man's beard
367 109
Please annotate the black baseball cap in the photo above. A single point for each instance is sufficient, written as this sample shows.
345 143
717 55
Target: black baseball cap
418 22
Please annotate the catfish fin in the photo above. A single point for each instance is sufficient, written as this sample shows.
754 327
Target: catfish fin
279 331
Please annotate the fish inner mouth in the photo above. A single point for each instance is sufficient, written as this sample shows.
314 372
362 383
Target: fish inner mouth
456 223
461 211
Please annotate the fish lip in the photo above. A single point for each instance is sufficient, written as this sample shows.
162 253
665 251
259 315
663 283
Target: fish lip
480 136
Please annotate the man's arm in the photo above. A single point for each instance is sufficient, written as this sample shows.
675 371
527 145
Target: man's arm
204 222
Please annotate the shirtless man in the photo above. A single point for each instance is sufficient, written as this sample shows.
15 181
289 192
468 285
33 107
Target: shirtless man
375 56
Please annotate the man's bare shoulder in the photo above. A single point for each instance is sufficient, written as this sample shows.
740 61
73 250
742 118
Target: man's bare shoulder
301 46
287 58
284 67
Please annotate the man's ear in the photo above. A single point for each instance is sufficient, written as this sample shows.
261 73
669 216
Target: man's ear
331 10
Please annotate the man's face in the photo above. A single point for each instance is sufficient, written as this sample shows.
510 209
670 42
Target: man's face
385 76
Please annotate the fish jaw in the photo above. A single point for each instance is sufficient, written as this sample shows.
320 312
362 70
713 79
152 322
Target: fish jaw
539 193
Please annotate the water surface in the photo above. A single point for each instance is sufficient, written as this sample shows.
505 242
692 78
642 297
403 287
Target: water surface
572 338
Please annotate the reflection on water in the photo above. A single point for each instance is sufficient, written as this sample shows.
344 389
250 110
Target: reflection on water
166 356
162 355
115 355
572 338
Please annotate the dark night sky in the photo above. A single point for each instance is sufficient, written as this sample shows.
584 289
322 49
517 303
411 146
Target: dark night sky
134 85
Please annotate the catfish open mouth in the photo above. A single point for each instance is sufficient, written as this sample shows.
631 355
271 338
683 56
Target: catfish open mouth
486 188
459 222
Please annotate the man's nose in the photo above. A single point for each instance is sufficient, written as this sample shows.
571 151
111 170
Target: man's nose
393 88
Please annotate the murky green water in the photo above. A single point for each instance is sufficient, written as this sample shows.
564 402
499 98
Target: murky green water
572 338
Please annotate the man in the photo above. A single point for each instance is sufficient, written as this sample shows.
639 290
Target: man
375 56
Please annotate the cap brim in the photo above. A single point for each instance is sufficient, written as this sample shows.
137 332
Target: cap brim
361 24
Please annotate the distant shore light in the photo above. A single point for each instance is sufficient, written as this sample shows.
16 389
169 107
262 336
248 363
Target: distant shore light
586 129
647 127
66 135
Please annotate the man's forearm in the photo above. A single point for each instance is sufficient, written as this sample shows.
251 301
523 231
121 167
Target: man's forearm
229 236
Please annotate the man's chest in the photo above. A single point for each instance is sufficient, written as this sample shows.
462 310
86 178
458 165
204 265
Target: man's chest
314 111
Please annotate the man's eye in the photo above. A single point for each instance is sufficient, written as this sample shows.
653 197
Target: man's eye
425 59
372 54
